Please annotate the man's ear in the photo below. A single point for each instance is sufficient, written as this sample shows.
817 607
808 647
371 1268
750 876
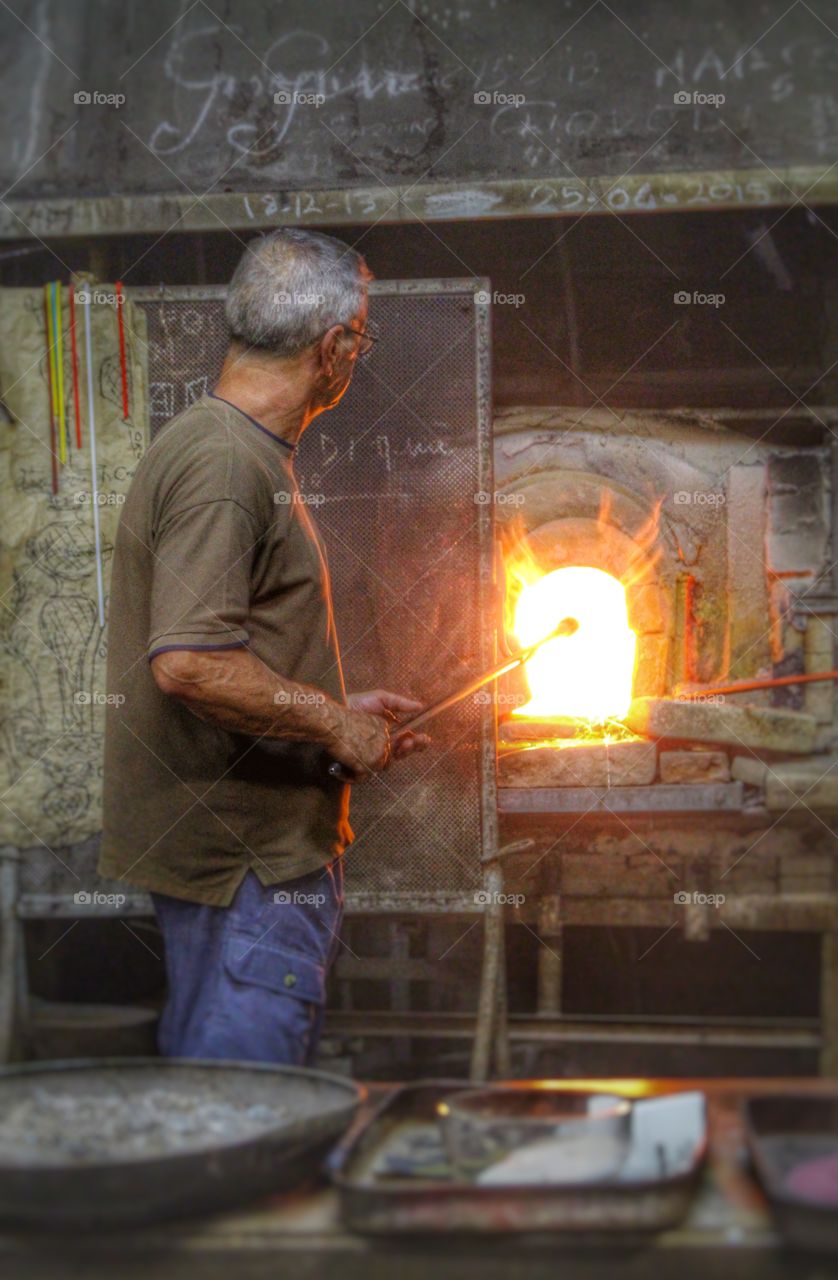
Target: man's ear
328 349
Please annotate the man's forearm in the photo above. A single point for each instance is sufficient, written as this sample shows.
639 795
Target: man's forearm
235 690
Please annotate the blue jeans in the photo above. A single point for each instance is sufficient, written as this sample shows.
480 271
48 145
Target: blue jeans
247 982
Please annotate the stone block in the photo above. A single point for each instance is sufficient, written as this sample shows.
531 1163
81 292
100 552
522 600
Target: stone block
577 764
803 784
521 729
644 604
694 766
798 530
749 770
819 648
723 723
650 672
749 638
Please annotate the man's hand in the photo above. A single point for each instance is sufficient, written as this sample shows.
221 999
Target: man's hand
380 702
361 742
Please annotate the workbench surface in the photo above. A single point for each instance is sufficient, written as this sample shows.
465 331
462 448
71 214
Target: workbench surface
728 1229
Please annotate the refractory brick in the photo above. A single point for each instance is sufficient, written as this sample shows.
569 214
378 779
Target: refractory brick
723 723
577 764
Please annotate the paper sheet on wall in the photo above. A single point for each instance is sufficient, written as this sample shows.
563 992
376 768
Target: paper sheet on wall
52 647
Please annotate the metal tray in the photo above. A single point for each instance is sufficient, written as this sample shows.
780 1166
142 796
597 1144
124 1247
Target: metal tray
374 1199
782 1130
204 1175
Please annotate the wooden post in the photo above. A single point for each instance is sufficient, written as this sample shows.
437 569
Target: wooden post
11 955
550 954
829 1004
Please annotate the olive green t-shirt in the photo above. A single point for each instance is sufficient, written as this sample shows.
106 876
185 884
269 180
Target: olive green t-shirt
215 549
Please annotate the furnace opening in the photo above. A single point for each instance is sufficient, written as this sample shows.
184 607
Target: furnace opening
587 675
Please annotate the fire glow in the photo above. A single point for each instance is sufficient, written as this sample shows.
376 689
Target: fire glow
587 675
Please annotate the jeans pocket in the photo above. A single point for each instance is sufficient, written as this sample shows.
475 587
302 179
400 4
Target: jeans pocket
270 1003
275 968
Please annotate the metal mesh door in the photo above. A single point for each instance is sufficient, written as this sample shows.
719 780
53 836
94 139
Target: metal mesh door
397 475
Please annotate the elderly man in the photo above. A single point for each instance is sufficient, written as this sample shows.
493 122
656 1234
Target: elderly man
227 696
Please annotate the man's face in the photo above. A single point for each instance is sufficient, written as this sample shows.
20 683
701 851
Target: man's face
338 362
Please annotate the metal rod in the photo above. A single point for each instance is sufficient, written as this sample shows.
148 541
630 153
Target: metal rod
744 686
768 1033
490 974
566 627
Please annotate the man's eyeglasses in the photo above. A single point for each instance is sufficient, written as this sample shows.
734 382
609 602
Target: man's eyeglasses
369 336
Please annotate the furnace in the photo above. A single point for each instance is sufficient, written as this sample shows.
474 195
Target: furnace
682 552
696 550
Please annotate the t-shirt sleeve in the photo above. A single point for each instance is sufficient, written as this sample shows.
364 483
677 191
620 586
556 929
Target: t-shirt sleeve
200 595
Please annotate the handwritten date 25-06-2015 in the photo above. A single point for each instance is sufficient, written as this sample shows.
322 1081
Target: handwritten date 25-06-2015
496 198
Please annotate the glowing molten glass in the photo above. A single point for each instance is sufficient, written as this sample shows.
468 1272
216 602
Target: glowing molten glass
588 674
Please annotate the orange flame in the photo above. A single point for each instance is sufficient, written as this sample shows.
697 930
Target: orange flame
587 675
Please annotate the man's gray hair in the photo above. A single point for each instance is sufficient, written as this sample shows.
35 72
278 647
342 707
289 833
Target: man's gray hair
291 286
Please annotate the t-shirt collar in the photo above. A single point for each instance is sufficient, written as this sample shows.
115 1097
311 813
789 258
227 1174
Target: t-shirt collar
286 444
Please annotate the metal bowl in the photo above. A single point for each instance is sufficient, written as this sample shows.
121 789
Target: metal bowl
91 1153
536 1134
